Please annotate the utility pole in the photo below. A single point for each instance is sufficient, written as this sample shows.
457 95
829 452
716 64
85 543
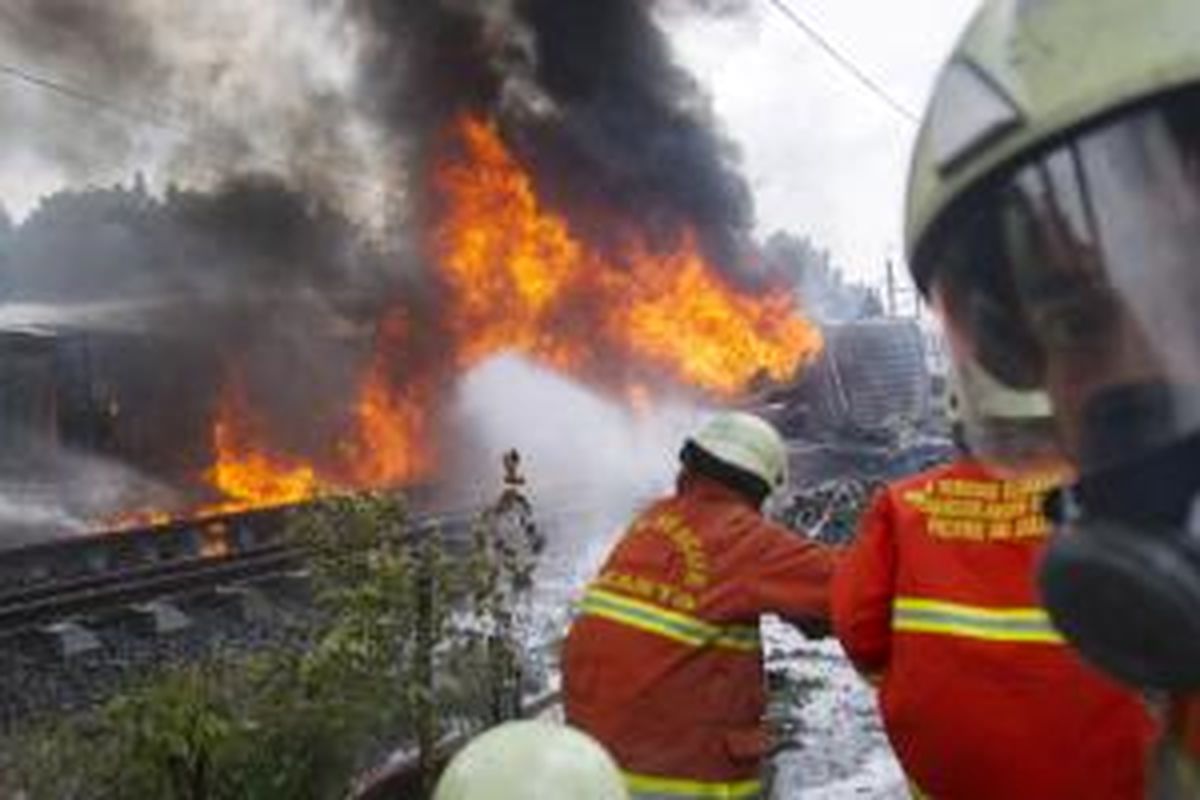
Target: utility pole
891 287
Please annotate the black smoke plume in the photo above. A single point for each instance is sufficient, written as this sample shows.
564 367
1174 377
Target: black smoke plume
588 93
631 131
286 204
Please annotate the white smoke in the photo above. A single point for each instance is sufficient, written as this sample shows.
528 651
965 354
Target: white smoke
28 516
186 94
576 446
69 493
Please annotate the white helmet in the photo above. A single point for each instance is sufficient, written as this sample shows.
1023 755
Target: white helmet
747 442
995 400
532 760
1012 427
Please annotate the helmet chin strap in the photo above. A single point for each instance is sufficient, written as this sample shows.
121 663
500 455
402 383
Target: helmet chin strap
1121 579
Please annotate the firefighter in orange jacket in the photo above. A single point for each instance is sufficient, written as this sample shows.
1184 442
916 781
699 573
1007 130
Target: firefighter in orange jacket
1053 221
663 664
935 603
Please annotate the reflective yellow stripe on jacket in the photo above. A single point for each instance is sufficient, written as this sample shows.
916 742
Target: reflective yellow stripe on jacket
915 792
667 623
922 615
1177 773
648 787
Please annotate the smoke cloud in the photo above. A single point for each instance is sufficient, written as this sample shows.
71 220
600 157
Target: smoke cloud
587 92
630 130
579 450
280 150
190 93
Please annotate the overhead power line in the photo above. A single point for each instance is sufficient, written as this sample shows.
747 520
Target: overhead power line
62 89
172 123
843 60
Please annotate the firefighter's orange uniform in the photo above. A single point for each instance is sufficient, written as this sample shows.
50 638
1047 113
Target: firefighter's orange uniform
980 698
664 665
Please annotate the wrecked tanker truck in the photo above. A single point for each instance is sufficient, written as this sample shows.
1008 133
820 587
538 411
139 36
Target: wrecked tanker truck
872 408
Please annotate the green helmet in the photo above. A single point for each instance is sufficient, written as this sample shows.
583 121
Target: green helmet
1054 223
1025 73
532 761
1052 119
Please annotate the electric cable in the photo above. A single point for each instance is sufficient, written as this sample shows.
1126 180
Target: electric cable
843 60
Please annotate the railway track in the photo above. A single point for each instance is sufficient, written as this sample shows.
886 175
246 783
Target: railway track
62 580
43 604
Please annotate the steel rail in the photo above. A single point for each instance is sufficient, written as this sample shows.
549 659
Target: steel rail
57 601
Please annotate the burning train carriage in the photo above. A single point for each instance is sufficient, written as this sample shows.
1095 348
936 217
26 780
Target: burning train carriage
258 408
92 380
77 388
874 375
104 409
557 188
28 397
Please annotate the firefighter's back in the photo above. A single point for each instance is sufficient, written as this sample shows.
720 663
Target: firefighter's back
663 664
980 696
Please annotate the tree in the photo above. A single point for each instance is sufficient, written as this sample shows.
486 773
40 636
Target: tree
6 234
820 285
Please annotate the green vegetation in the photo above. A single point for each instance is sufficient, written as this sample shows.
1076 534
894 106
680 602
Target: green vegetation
409 646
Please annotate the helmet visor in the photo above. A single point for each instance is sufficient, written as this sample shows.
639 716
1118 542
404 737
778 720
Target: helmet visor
1078 273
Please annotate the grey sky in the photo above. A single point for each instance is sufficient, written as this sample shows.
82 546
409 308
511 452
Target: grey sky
823 156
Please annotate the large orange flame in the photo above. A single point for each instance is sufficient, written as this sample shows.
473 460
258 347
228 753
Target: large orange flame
518 279
509 266
681 316
390 445
522 281
386 446
243 471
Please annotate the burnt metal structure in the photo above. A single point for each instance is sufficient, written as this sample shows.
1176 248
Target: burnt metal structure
870 406
872 376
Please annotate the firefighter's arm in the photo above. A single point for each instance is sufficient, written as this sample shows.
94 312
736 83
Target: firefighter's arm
791 578
863 588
